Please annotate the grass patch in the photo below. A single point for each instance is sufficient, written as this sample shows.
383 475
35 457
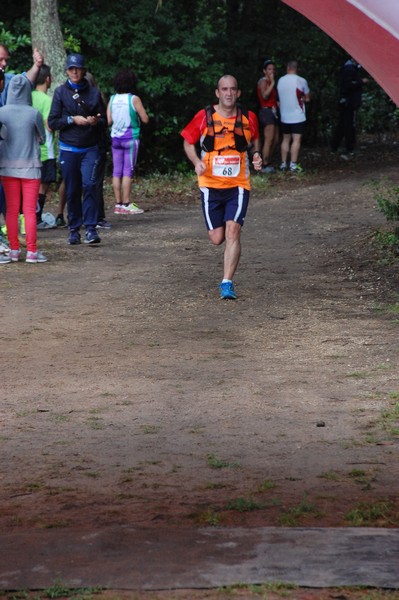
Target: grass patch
61 418
244 505
197 429
150 429
95 423
329 475
34 486
92 474
260 184
215 486
358 375
24 413
378 514
208 517
178 184
364 374
57 590
390 420
56 524
217 463
353 444
276 587
266 485
294 515
362 477
388 309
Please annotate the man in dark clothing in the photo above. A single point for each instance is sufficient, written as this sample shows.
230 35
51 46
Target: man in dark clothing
350 89
77 111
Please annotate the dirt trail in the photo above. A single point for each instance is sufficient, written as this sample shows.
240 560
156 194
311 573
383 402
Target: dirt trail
131 394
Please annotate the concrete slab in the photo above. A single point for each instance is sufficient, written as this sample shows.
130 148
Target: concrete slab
149 559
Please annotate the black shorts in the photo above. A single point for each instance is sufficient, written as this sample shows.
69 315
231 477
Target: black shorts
224 204
268 116
49 171
293 127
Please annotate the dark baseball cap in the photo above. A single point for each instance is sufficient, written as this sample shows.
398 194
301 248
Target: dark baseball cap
75 60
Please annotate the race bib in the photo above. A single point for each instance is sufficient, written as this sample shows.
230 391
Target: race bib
226 166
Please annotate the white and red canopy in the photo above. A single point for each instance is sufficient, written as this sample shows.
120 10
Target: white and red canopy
367 29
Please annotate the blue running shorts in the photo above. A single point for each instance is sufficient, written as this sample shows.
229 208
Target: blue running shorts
221 205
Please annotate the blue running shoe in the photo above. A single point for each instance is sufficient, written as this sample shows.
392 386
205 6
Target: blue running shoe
74 237
227 291
92 237
103 224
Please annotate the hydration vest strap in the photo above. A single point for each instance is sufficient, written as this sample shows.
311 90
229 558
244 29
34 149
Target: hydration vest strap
208 143
240 141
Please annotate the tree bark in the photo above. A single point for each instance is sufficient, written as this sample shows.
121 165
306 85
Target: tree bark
47 37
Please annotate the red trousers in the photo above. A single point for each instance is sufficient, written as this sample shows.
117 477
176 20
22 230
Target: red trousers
14 189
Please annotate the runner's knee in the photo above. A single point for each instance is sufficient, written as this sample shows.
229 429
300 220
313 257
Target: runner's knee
217 236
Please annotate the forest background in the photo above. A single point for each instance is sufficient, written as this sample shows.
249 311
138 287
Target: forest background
179 49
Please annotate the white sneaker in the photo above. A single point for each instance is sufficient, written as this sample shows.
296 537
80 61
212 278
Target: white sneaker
14 255
133 209
4 249
295 168
35 257
5 259
45 225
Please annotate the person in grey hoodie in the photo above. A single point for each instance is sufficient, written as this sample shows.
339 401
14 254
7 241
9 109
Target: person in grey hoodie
22 132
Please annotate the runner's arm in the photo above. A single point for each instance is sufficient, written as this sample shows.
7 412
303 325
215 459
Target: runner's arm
255 139
192 155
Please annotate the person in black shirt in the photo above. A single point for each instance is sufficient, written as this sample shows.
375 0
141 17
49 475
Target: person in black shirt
350 89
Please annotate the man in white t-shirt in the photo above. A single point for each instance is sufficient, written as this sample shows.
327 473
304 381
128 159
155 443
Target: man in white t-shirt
293 92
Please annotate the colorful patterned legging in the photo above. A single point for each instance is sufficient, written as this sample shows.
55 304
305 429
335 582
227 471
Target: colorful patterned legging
14 189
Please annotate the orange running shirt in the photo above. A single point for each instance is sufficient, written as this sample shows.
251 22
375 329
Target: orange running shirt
225 166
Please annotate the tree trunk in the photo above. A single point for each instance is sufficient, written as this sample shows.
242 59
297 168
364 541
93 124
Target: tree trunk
47 37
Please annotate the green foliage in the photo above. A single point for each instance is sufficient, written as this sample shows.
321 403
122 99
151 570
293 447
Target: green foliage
378 113
387 197
388 202
71 43
11 40
387 240
18 42
180 49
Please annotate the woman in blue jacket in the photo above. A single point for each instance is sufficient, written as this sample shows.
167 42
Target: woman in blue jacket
77 111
